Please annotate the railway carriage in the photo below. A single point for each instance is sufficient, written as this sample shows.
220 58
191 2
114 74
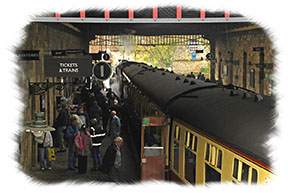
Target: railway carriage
191 131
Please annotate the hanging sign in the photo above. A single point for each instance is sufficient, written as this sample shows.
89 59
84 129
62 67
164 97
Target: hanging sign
102 70
68 67
28 54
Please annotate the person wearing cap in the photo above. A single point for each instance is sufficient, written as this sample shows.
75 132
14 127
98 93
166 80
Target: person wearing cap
97 135
44 140
83 144
112 160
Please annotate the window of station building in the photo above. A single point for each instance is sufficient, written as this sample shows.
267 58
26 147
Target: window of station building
190 166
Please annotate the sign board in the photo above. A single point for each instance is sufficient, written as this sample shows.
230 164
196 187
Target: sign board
102 70
209 56
28 54
68 67
145 122
58 52
258 49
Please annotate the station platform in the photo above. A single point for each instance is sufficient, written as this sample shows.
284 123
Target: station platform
129 171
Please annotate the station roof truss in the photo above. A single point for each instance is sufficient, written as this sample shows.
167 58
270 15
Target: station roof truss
173 40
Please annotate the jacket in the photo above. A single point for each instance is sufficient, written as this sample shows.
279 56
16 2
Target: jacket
97 135
115 126
109 159
83 144
48 139
63 118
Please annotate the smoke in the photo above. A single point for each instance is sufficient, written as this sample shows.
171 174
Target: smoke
127 44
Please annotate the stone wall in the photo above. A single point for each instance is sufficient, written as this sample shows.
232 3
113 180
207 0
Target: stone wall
234 46
43 37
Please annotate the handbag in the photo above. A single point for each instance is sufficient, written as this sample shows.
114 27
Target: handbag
51 154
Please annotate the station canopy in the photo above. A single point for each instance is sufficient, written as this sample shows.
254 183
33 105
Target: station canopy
175 20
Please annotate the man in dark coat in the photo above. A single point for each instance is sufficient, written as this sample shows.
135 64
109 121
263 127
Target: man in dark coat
112 160
95 111
62 122
102 102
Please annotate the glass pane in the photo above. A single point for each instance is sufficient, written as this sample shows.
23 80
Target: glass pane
219 163
254 176
207 151
235 171
211 175
190 166
195 143
245 172
191 141
153 145
176 156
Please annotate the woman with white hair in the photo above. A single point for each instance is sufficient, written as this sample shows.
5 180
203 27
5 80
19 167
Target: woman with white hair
44 140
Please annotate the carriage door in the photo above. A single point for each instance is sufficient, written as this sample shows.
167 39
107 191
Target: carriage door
154 130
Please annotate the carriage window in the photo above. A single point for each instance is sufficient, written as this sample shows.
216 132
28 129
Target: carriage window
153 141
236 166
191 141
195 143
190 166
211 175
176 156
254 176
219 162
245 172
207 151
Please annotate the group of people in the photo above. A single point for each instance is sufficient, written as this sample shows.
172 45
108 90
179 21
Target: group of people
82 127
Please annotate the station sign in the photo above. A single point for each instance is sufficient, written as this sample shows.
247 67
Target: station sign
58 52
102 70
28 54
68 67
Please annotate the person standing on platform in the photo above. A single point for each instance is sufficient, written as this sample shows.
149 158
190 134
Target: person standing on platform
95 111
102 102
61 123
83 144
112 160
115 127
97 135
44 141
71 132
